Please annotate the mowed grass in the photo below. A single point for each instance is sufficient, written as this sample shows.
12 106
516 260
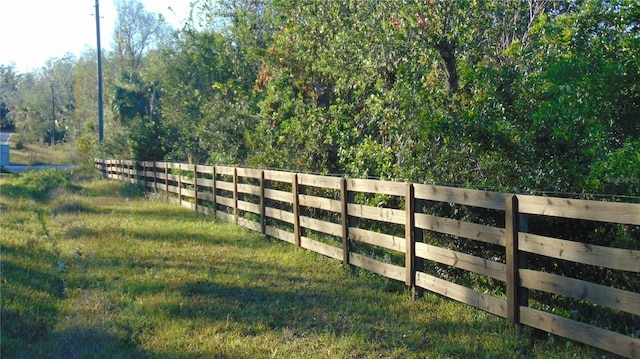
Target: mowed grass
99 269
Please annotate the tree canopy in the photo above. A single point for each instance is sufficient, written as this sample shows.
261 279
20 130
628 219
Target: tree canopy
528 96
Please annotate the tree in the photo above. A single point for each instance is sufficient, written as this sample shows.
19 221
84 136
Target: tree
9 80
203 106
44 101
136 129
136 32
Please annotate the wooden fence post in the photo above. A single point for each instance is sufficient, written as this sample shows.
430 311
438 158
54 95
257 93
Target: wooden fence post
511 233
344 220
263 220
409 229
166 181
195 185
179 184
155 177
213 189
235 195
296 210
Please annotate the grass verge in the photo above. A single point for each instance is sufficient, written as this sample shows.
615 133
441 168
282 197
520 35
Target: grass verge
33 154
101 269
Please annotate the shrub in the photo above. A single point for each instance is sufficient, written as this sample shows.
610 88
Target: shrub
40 183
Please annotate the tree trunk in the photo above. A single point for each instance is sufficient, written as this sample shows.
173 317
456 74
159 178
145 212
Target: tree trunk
447 53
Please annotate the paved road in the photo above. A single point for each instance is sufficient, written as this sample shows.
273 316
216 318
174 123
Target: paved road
22 168
4 138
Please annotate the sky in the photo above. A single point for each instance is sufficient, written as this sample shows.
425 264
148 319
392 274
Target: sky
32 31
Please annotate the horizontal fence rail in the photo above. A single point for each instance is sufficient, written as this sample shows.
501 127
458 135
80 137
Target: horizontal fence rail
425 236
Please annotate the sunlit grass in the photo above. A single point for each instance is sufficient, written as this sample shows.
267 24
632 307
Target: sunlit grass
30 154
104 270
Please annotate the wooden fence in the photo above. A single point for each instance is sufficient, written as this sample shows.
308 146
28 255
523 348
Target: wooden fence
388 228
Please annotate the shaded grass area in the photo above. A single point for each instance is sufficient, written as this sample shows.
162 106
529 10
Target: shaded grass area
101 269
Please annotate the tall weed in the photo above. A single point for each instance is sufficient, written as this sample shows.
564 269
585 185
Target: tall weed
39 184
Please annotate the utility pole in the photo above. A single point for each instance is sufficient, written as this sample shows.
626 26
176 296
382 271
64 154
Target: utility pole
100 112
53 115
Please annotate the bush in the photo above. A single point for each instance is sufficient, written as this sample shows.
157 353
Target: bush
40 183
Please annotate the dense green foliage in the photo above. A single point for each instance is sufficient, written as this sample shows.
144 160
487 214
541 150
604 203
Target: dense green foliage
536 96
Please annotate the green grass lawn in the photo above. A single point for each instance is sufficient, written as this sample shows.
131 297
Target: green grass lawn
31 154
99 269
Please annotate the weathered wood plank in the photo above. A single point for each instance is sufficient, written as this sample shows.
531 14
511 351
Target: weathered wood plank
173 178
326 204
227 217
511 250
186 167
278 176
376 186
189 193
225 201
249 207
322 248
249 189
409 235
277 195
226 186
378 239
186 180
464 261
206 196
205 182
595 293
468 197
389 215
375 266
474 231
600 338
279 214
333 229
614 258
462 294
319 181
248 172
148 173
613 212
204 169
280 234
263 204
247 223
296 208
225 170
344 221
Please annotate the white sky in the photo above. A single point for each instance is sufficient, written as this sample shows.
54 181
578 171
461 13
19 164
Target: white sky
32 31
